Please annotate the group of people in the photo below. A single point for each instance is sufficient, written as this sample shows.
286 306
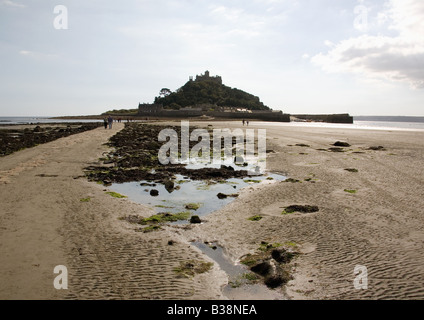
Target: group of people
108 122
245 121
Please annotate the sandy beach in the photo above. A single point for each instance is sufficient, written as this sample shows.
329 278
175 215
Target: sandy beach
45 222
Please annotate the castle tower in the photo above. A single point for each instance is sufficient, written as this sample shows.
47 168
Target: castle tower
207 77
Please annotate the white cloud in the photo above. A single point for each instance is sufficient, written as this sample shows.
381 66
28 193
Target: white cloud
396 58
12 4
37 55
328 43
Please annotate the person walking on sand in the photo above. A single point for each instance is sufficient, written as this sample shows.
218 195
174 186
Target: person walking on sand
105 122
243 122
110 121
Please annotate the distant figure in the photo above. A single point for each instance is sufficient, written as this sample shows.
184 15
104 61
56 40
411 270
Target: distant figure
110 121
247 122
105 122
243 122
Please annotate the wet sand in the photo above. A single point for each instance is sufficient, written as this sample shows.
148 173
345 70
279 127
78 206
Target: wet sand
44 223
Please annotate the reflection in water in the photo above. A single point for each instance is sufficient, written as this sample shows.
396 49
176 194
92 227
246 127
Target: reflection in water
239 287
187 191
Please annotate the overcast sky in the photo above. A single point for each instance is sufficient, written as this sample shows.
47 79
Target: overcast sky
299 56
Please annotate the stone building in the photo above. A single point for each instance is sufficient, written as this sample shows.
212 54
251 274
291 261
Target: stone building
207 77
149 108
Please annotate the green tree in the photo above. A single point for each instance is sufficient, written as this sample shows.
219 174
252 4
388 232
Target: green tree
164 92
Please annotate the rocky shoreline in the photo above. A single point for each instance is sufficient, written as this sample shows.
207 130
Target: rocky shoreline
12 140
134 157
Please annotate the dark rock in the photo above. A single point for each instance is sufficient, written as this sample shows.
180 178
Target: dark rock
154 193
146 184
169 185
274 281
195 219
262 268
133 219
341 144
379 148
291 180
336 149
303 209
276 277
281 255
222 196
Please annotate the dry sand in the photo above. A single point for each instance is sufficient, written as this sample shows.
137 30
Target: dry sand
43 223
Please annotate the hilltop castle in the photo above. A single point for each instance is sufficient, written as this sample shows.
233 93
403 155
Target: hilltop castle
207 77
209 109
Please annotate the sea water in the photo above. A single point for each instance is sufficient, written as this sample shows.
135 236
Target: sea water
41 120
186 191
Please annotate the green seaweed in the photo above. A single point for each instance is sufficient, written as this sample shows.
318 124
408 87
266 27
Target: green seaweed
190 268
252 181
166 217
151 228
163 206
350 191
116 195
290 243
192 206
250 276
248 260
265 246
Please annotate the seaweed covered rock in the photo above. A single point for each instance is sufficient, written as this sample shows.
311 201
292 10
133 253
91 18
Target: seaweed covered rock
301 208
169 185
282 255
195 220
262 268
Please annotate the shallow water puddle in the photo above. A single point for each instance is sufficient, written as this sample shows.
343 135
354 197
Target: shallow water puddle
239 286
200 197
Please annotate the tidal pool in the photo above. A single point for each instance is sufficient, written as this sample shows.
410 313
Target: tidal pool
197 196
239 286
